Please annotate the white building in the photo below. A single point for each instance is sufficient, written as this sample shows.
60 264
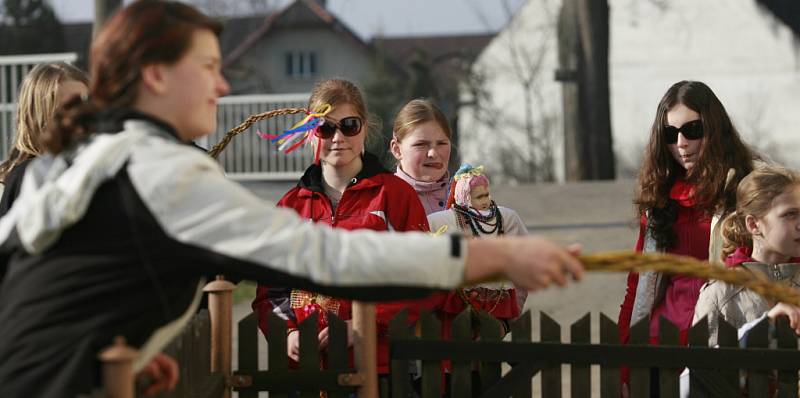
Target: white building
750 59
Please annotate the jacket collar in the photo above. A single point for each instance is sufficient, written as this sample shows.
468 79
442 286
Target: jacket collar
112 121
774 272
422 186
739 256
312 177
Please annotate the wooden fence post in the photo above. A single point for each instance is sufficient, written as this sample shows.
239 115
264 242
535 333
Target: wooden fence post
365 343
220 308
118 377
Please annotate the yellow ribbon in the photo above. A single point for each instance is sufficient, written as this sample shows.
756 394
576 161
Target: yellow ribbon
439 231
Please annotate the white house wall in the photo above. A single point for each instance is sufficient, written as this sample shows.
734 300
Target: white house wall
532 28
336 57
747 57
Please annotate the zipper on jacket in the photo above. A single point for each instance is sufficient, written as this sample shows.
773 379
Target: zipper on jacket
336 210
353 181
333 211
776 271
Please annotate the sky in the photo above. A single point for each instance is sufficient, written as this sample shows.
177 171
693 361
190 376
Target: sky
370 17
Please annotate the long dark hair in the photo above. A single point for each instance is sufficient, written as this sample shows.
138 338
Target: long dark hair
722 149
145 32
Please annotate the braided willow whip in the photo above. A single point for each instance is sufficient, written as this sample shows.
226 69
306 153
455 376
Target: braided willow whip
609 261
217 149
682 265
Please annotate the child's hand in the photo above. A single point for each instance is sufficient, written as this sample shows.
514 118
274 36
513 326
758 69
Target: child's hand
788 310
324 336
293 345
162 373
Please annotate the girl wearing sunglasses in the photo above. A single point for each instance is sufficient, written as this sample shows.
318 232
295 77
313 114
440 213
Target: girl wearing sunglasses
692 165
421 145
349 189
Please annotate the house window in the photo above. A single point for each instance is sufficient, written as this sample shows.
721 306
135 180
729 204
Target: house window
301 64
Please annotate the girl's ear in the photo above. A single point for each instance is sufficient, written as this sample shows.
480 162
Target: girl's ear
154 79
394 147
753 225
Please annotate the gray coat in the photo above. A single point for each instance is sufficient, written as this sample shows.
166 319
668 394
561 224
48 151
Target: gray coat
737 305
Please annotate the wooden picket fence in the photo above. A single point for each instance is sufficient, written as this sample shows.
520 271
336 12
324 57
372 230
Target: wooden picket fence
338 380
715 372
192 351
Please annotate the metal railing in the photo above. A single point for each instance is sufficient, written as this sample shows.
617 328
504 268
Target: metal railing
249 157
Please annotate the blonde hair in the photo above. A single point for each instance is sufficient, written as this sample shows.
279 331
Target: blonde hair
36 106
754 196
416 112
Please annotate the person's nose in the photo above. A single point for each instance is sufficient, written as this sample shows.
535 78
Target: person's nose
338 136
222 86
682 141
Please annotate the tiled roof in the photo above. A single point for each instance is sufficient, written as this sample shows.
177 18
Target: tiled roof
434 47
300 13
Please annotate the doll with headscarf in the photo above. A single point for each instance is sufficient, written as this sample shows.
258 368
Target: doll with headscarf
473 212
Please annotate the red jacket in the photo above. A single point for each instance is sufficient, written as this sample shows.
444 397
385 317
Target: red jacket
375 199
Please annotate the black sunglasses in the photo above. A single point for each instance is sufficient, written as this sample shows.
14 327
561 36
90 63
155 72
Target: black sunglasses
691 130
349 126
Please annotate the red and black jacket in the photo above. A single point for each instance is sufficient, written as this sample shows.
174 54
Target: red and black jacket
375 199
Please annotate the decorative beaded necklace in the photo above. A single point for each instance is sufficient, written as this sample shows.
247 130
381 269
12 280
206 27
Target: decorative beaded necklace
483 295
475 220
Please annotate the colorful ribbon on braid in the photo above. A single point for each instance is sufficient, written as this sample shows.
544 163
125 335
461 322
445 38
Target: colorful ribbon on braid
300 133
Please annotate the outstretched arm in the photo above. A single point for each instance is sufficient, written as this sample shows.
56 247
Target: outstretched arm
199 207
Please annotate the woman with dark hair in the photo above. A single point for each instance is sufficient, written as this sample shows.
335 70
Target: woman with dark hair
692 165
115 233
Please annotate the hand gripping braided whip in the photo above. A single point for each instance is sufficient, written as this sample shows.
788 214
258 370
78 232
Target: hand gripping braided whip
220 146
682 265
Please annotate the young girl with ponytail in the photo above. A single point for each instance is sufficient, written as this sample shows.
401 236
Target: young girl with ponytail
761 237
